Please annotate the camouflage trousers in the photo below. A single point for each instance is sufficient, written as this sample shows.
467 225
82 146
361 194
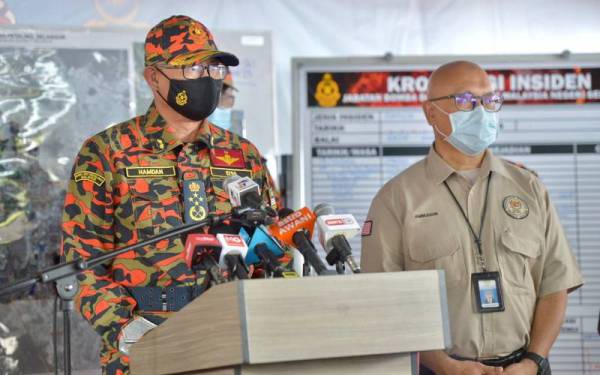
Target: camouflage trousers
113 361
116 363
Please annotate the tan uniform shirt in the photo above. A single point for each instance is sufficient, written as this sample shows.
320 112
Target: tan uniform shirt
416 225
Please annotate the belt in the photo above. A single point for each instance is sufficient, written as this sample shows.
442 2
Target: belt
155 298
505 361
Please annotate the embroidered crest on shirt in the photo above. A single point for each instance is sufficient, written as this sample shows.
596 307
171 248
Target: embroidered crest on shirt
227 158
515 207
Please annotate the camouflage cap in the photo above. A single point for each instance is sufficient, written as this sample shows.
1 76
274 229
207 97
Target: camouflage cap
181 41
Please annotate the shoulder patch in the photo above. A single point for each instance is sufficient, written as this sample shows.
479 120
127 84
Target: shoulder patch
366 229
89 176
522 166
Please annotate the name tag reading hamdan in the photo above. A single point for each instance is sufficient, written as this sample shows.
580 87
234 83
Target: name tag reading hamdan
146 172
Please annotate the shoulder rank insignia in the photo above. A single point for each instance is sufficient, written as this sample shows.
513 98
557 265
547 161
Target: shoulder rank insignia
515 207
225 158
195 205
89 176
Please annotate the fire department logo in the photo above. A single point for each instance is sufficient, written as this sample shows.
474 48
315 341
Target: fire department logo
181 98
328 91
515 207
198 34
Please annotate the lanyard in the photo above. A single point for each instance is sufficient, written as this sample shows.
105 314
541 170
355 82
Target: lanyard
476 237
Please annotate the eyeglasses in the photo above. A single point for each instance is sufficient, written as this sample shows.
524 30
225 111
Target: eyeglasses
467 101
214 71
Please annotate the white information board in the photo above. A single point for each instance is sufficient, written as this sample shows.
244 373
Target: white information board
358 123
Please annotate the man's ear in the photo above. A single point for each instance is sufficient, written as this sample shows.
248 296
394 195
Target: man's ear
429 112
151 77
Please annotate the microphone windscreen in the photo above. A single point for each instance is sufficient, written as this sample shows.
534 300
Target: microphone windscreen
283 212
229 180
324 209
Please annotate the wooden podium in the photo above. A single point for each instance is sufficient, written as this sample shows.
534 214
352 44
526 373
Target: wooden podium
349 324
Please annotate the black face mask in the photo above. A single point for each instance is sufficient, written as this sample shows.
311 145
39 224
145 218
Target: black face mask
194 99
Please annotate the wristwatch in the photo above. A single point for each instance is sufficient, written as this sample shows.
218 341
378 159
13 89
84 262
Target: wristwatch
540 361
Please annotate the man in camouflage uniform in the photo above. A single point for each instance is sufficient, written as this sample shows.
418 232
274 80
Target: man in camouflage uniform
150 174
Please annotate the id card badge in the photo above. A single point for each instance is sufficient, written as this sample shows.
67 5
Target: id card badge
488 291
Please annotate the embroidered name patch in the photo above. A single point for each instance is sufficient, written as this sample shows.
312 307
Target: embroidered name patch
226 158
147 172
223 173
428 214
89 176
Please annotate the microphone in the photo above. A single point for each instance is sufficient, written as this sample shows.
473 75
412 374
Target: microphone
200 252
268 261
245 235
334 232
233 252
262 236
244 195
243 192
284 212
299 264
265 251
296 230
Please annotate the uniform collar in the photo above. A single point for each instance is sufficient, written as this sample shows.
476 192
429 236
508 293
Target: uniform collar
159 138
439 170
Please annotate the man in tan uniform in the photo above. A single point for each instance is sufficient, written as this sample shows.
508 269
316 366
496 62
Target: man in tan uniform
489 224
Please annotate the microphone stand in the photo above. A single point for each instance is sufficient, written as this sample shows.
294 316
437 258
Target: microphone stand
67 289
340 267
340 254
64 275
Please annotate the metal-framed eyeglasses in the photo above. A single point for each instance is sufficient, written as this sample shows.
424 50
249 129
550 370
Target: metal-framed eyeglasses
467 101
214 71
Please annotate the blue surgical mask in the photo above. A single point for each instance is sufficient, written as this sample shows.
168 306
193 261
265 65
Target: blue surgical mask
472 132
221 117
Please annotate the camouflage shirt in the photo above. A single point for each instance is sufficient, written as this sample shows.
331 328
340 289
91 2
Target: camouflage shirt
127 186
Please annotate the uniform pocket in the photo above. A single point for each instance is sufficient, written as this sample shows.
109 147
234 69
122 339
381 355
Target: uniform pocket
516 255
156 206
429 251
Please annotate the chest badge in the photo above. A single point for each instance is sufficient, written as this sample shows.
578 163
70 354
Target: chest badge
515 207
227 158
